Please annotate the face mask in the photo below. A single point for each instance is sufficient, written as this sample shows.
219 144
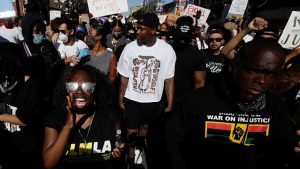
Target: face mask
117 35
63 37
90 41
8 84
37 38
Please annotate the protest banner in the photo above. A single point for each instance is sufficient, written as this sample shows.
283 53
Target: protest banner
290 37
100 8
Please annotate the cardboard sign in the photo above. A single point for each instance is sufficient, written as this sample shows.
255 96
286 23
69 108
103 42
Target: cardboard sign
191 10
7 9
290 37
107 7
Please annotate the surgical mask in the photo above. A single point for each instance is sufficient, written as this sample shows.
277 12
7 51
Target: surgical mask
63 37
8 84
117 35
37 38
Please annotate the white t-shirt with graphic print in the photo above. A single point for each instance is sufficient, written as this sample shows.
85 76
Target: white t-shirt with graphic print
147 68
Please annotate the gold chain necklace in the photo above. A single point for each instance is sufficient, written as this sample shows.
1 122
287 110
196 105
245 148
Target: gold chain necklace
87 135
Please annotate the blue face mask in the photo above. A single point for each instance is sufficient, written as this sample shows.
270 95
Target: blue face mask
37 38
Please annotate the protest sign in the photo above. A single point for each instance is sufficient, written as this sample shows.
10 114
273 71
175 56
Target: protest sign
191 10
236 11
290 37
54 14
107 7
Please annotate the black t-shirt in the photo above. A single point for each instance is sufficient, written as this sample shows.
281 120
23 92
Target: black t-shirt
99 136
21 145
209 124
214 65
188 60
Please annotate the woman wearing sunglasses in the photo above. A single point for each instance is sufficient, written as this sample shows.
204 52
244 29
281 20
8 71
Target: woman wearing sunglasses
81 132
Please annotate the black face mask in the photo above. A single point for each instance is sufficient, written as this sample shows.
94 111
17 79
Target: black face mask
90 41
117 35
181 43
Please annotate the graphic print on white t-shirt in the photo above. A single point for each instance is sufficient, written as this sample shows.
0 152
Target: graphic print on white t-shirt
145 74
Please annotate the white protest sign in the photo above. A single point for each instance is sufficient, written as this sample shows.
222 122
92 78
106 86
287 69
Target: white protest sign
107 7
290 37
54 14
238 6
236 11
191 10
7 9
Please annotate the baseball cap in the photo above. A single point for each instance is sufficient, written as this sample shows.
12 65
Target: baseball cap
184 29
149 19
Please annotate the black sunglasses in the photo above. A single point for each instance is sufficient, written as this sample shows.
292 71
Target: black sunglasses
62 31
214 39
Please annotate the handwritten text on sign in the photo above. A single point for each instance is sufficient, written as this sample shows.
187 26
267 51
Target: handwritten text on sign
107 7
191 10
290 37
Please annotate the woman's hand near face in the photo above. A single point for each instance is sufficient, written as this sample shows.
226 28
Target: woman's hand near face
71 116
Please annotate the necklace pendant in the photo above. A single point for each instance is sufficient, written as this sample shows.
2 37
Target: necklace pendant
85 150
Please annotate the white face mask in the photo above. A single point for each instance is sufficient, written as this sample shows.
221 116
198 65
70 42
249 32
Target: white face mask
63 37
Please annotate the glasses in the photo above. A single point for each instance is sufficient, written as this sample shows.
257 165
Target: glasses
87 87
62 31
214 39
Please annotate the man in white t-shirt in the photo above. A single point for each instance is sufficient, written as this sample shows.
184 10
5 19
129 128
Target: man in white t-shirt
10 33
146 65
69 46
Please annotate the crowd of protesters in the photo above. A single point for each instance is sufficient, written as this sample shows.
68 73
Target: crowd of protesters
144 94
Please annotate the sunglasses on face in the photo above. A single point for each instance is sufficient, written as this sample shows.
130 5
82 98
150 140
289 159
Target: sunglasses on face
62 31
87 87
214 39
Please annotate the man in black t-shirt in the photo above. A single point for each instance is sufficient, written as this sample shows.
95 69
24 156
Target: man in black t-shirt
236 124
190 66
215 60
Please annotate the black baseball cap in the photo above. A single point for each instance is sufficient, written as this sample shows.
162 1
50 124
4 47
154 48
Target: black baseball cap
149 19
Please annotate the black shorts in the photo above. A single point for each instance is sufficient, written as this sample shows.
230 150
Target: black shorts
138 114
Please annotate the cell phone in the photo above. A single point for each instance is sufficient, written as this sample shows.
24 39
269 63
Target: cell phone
83 53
